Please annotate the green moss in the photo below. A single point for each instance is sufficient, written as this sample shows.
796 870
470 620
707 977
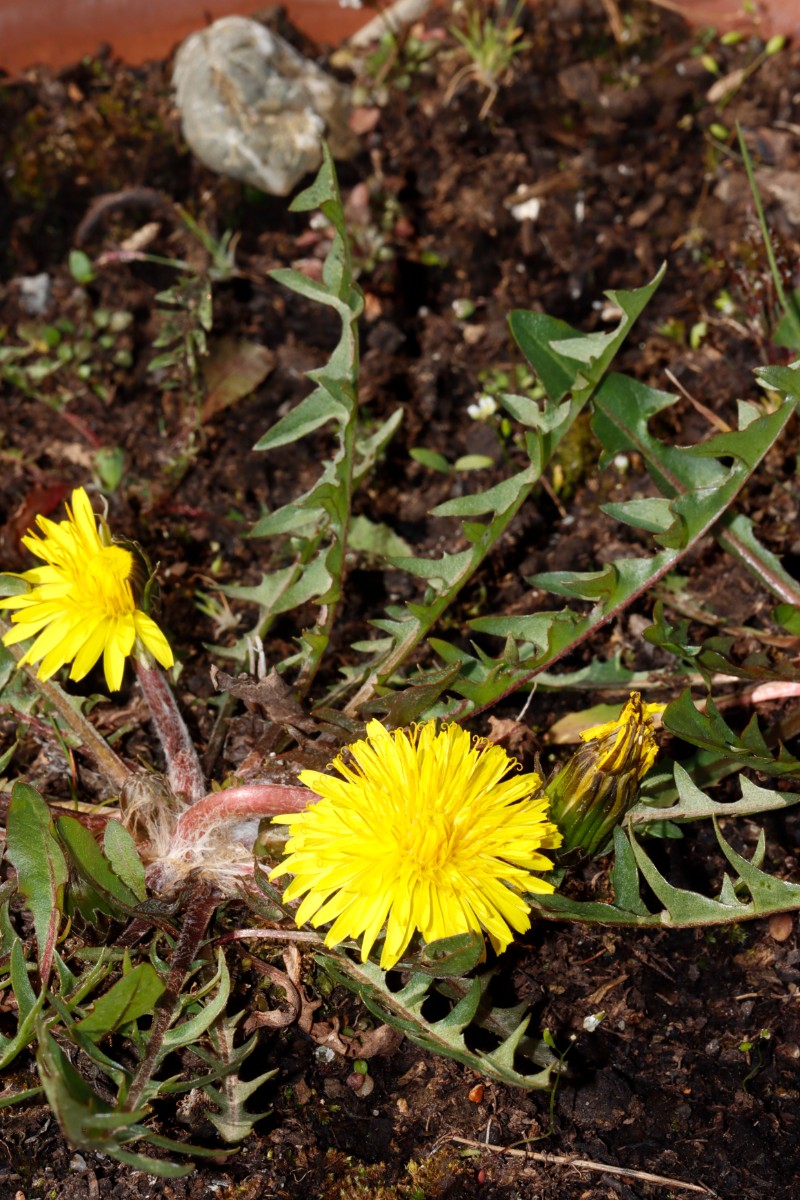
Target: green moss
575 458
430 1179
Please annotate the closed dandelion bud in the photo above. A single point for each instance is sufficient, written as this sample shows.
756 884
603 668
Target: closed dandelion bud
593 791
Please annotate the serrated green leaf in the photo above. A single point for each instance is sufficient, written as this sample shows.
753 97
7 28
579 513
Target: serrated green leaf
623 408
269 592
768 894
654 514
452 956
553 348
191 1029
369 449
312 413
619 583
748 445
443 571
462 1013
683 908
376 539
709 731
693 804
548 425
232 1120
403 1010
535 333
497 499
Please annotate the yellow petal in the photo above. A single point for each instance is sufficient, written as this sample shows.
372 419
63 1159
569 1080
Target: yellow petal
153 639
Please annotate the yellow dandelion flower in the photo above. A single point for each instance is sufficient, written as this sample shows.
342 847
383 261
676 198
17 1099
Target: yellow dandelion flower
600 783
425 830
81 603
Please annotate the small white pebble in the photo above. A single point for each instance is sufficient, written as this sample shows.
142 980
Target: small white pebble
528 210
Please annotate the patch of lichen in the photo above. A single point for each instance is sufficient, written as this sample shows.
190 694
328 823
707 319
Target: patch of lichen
433 1178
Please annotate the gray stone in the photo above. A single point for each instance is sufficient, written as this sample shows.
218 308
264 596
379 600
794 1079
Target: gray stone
255 109
35 293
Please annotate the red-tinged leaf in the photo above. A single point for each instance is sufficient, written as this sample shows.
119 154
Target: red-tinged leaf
41 868
42 499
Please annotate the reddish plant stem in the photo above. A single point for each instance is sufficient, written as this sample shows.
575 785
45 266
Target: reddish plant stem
249 800
183 766
200 906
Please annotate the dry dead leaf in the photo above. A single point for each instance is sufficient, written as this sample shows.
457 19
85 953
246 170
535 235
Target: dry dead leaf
233 370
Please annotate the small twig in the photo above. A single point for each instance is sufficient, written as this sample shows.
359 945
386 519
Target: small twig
712 417
615 21
271 935
134 197
585 1164
777 690
392 20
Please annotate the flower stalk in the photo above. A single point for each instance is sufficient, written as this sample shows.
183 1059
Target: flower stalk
247 800
184 773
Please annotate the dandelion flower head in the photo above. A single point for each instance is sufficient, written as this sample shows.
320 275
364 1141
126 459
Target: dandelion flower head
423 830
81 604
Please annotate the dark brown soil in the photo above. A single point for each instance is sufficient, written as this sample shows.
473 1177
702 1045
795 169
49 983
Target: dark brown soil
616 141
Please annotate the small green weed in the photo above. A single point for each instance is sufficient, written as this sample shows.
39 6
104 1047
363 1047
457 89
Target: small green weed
492 38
